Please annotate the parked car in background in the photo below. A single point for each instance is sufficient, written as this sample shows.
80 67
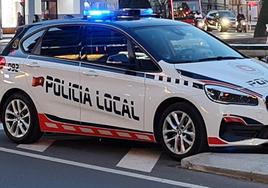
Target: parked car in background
221 20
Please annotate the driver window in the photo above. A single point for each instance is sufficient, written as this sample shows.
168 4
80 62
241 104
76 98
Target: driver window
144 61
105 46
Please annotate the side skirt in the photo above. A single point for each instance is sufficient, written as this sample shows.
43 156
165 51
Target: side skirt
48 125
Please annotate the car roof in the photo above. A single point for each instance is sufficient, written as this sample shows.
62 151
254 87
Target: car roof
224 11
122 24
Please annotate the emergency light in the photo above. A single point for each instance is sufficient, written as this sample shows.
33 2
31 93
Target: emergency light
120 14
147 12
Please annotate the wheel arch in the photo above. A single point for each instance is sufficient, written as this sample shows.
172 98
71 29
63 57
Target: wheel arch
165 104
8 94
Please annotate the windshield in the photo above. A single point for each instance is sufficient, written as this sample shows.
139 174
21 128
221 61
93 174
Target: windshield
183 44
227 14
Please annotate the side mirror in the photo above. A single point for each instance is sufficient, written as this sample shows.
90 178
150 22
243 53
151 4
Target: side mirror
118 59
266 59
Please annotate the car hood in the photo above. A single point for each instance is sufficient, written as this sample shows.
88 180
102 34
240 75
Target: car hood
248 74
229 18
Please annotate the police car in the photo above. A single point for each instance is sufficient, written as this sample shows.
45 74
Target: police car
130 76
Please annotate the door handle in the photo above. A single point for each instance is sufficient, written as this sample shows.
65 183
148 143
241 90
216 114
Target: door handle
90 73
33 64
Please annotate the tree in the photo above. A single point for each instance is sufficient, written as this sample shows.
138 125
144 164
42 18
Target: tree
260 30
163 5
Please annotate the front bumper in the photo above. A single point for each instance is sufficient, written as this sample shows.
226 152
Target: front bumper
237 131
241 131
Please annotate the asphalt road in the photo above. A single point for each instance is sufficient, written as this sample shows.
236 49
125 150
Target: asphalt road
72 161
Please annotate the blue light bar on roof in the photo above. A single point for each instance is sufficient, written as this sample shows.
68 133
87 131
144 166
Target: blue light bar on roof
147 12
97 13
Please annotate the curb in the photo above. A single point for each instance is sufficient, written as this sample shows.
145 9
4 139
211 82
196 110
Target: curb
202 163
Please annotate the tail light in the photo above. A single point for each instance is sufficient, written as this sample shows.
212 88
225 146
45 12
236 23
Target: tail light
2 62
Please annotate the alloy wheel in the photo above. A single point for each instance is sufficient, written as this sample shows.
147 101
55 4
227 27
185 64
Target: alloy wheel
17 118
179 132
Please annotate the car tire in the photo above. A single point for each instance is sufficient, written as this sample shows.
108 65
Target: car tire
206 28
20 119
220 28
224 29
181 123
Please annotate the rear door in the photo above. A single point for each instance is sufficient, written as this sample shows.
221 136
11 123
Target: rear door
53 74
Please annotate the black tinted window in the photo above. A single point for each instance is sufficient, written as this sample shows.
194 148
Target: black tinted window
144 61
62 42
106 46
182 44
30 43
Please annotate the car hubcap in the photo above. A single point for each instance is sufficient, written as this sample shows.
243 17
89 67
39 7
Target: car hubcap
17 118
179 132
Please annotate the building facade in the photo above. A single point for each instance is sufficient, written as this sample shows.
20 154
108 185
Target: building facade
53 9
45 9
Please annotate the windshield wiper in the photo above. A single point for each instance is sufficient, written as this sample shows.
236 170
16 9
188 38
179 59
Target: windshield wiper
219 58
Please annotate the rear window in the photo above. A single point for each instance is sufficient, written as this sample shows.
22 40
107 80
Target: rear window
29 45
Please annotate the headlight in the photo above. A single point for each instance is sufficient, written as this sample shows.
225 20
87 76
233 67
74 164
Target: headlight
226 95
225 21
243 22
200 24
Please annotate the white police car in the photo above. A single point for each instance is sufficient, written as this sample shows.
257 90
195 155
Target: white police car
132 78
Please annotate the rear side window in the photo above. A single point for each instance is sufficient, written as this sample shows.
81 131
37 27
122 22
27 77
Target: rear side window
29 45
13 45
62 42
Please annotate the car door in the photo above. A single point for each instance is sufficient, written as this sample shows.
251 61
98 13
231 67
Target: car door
211 19
53 73
113 90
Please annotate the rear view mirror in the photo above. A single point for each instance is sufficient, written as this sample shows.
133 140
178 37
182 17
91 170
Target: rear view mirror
118 59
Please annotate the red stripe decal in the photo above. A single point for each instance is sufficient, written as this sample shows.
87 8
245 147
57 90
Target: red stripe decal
233 119
38 81
216 141
48 125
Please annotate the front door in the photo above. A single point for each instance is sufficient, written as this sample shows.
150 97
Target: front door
112 89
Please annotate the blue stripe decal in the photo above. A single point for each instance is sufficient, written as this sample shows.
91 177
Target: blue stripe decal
112 69
150 76
87 65
201 77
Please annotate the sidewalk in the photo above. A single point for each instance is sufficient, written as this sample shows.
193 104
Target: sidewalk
253 167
